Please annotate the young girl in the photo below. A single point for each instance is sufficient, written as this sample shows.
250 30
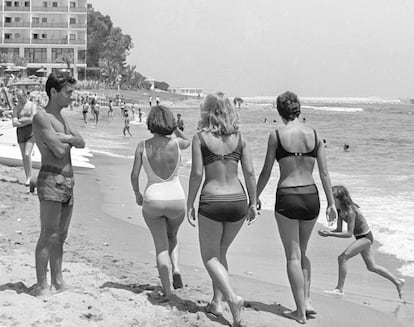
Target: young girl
349 212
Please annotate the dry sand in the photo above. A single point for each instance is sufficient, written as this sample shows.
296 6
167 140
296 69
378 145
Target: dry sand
110 265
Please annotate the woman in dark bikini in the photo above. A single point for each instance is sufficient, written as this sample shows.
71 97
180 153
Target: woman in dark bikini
296 147
217 149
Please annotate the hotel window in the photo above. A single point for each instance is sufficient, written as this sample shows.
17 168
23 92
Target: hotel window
7 36
72 36
35 36
8 3
44 20
35 19
73 4
7 19
54 4
57 54
17 35
72 20
27 3
17 4
44 36
36 55
16 19
44 3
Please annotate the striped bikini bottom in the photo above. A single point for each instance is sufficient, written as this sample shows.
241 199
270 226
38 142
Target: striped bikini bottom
223 207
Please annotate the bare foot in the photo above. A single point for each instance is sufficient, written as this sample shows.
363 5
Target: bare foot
40 292
235 308
400 286
294 315
310 310
215 308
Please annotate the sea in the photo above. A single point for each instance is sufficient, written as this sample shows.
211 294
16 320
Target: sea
378 168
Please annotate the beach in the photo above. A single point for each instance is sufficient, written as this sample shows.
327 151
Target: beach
110 259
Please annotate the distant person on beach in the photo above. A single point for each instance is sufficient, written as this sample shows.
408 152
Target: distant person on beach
324 143
123 107
157 100
96 113
54 137
180 123
346 147
22 118
296 147
163 201
357 226
85 109
126 123
110 109
139 115
217 149
150 101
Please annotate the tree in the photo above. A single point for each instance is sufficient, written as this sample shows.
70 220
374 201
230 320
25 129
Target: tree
98 30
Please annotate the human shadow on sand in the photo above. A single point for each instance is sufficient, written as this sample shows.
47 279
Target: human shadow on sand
274 308
18 287
153 294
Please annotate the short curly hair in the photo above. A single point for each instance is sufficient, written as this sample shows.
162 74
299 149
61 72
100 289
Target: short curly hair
161 120
288 105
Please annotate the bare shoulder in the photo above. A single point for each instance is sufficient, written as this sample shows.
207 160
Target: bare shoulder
40 116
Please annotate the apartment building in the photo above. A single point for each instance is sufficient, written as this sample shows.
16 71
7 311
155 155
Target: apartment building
44 32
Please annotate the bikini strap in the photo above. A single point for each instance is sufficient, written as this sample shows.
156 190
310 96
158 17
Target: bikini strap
202 141
277 138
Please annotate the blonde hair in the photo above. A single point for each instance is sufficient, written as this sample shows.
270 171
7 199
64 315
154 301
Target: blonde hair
218 115
342 194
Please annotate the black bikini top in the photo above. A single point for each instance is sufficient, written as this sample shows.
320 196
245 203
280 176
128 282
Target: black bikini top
209 157
282 153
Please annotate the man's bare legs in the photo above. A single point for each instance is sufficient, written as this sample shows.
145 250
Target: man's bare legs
56 253
26 150
54 220
211 236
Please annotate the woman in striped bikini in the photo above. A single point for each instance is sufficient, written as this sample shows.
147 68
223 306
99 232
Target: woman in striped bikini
217 149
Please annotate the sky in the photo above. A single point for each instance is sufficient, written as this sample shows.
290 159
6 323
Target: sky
265 47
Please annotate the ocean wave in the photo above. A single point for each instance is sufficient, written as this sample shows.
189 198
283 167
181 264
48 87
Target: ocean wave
407 269
343 109
112 154
326 100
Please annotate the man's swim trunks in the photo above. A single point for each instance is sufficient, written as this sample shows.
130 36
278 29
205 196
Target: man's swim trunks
55 185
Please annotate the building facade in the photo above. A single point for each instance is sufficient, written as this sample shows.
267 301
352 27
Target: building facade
47 34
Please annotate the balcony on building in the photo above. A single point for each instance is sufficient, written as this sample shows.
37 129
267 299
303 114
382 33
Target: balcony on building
49 25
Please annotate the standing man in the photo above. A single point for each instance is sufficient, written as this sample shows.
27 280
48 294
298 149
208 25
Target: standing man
54 137
23 113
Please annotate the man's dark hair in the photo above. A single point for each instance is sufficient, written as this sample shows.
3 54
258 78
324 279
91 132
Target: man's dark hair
58 82
161 120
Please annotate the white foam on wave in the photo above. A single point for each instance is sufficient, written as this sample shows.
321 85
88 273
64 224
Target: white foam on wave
326 100
341 109
111 154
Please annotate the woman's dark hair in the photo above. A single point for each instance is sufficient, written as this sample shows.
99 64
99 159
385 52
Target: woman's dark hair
58 82
288 105
161 120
